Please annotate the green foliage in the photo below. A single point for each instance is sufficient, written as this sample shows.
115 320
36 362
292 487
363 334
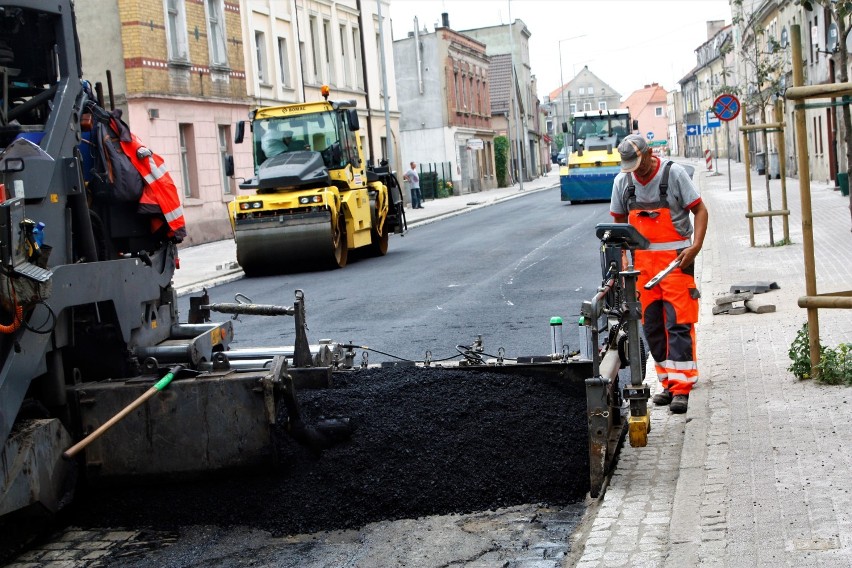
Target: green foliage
501 159
800 355
764 59
780 243
445 188
835 364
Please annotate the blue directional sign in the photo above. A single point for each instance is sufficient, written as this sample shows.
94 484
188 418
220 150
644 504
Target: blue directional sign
650 136
712 120
693 129
726 107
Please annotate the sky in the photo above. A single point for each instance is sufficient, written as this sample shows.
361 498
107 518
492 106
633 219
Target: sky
627 43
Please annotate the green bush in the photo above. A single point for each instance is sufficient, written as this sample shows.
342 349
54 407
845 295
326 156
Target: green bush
501 158
835 364
800 355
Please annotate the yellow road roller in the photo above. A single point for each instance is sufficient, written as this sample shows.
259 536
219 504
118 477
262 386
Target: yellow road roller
312 198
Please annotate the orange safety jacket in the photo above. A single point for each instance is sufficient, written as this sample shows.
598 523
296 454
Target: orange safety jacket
160 195
670 309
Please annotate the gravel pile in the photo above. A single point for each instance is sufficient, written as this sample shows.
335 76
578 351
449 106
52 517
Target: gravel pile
423 442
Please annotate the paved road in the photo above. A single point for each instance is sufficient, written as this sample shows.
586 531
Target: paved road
501 271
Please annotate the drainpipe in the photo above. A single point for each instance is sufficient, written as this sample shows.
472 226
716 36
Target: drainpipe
417 54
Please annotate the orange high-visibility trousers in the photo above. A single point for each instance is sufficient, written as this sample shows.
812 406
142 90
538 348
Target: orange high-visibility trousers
669 311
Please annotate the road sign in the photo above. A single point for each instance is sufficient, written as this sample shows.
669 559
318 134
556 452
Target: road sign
692 129
726 107
712 120
650 136
705 129
658 143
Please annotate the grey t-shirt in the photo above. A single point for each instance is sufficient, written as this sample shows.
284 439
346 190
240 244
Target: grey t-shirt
413 178
681 195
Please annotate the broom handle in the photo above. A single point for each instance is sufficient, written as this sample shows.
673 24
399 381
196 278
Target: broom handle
161 384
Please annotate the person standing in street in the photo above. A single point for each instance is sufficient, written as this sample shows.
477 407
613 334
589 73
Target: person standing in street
414 184
658 198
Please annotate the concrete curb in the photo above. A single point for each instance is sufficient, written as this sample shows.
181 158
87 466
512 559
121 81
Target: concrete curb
469 207
224 278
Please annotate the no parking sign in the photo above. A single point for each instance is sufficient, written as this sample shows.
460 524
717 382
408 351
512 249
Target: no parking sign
726 107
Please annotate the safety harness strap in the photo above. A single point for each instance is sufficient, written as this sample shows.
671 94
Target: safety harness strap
664 186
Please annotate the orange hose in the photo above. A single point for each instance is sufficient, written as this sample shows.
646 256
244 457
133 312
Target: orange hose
16 323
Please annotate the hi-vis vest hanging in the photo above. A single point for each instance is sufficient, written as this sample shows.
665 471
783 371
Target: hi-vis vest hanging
160 195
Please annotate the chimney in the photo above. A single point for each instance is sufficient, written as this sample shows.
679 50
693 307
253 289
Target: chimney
714 27
445 19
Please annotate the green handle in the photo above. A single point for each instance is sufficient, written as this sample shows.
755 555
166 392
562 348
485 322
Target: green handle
164 382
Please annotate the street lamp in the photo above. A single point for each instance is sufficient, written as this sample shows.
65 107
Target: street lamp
562 84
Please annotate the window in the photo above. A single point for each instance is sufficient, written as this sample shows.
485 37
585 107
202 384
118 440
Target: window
178 43
465 93
819 131
189 172
315 49
368 153
456 88
283 62
356 49
224 152
582 90
590 91
572 108
260 52
302 59
658 111
216 33
330 74
344 58
601 105
587 106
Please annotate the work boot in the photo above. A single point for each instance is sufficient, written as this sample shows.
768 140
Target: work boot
679 403
663 398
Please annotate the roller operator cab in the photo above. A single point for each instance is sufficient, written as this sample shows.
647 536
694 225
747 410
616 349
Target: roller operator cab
594 161
314 198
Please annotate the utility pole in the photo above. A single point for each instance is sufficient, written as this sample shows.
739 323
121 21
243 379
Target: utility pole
365 75
561 98
517 103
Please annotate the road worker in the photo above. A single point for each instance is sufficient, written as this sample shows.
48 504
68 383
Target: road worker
657 198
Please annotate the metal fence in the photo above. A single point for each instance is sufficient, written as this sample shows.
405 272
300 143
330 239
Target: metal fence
436 179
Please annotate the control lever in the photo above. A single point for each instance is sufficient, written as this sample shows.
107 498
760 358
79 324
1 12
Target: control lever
27 227
662 274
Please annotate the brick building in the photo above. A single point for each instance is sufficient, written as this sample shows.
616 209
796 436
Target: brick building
177 70
442 83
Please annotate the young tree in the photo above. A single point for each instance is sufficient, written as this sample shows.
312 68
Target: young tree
763 63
